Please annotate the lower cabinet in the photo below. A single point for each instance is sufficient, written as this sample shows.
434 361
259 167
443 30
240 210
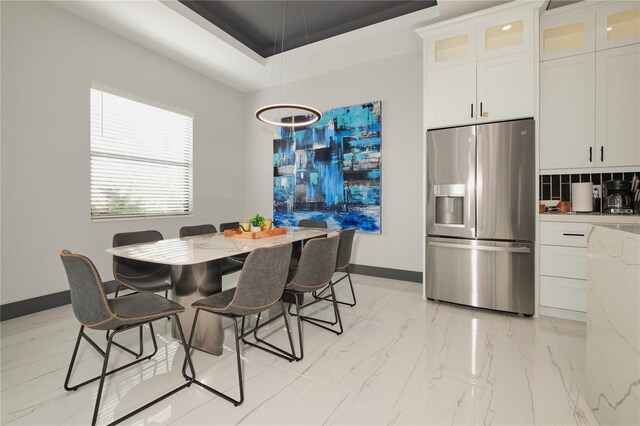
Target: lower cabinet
563 265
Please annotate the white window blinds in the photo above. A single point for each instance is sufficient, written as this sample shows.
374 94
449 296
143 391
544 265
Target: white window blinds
141 159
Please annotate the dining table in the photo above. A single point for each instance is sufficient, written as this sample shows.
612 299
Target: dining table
196 272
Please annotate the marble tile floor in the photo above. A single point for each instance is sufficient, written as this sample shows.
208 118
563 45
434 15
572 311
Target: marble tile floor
401 360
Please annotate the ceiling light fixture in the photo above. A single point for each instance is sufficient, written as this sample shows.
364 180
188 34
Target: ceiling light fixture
609 29
506 27
306 114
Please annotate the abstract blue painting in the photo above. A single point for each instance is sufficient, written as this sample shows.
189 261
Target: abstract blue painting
330 170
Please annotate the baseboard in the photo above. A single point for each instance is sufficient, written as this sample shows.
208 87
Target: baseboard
42 303
390 273
562 313
50 301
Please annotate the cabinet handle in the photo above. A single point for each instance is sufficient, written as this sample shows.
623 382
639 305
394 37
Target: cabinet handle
601 153
471 109
591 154
480 109
569 234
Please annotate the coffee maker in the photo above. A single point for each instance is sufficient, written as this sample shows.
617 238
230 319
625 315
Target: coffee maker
618 198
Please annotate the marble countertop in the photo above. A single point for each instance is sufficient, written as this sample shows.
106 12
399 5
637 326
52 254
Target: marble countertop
203 248
595 218
624 227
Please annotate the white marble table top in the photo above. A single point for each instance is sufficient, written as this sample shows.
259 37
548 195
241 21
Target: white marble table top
203 248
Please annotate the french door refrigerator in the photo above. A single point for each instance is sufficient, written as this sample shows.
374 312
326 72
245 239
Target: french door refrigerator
480 213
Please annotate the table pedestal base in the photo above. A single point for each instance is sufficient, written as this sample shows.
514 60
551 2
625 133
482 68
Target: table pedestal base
191 283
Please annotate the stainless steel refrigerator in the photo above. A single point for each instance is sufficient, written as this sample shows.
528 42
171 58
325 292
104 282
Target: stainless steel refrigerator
480 212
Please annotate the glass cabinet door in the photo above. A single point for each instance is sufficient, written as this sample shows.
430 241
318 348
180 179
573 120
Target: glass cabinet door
505 35
451 48
567 34
617 24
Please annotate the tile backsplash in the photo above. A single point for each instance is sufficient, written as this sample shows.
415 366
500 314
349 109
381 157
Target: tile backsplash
558 187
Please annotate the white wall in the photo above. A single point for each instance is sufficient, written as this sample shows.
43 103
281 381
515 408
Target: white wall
49 60
397 82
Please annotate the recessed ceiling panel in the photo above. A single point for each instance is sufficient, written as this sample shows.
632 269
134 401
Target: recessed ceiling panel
259 24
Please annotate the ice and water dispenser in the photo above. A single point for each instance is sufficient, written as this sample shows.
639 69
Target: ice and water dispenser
449 204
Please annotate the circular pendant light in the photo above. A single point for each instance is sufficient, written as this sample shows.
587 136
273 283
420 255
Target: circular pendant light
289 114
308 115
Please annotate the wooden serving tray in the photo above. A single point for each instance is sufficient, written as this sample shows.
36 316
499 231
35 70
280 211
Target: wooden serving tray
238 233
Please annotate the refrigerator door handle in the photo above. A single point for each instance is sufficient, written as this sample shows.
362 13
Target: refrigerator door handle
484 248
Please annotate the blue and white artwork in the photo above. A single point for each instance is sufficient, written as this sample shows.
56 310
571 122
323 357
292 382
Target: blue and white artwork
330 170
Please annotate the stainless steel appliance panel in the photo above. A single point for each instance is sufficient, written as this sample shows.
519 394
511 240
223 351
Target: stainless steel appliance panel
487 274
451 160
506 199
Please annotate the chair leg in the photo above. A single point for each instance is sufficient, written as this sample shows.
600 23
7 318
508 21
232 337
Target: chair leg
124 348
266 346
238 360
102 377
104 373
336 313
319 296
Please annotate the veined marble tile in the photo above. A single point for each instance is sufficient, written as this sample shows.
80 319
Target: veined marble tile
613 326
400 360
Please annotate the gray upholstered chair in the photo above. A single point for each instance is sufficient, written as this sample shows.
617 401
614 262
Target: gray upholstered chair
137 275
94 311
342 265
312 223
190 231
259 287
227 265
314 272
231 226
297 248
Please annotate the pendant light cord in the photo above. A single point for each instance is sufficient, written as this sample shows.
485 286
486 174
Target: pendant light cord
284 16
313 72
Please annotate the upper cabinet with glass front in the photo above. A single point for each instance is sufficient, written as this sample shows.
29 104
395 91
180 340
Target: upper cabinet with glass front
504 34
617 24
449 48
566 32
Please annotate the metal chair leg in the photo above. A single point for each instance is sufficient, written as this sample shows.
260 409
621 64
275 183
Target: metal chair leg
238 360
104 373
266 346
319 296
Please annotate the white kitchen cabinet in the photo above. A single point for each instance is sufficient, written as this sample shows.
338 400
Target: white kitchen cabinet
567 33
450 48
618 106
505 34
567 112
505 87
563 265
617 24
451 96
483 62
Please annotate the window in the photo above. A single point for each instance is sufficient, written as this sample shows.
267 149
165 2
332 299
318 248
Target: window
141 159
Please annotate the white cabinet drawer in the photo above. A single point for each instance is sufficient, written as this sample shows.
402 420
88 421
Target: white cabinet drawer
563 293
564 233
567 262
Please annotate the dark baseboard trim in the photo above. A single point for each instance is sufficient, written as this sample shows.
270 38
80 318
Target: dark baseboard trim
31 306
41 303
392 274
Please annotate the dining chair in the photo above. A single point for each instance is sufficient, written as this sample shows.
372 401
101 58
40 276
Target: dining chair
314 272
94 311
231 226
297 248
259 287
227 264
342 265
137 275
312 223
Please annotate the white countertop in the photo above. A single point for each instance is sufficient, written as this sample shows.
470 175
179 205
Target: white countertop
203 248
595 218
624 227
